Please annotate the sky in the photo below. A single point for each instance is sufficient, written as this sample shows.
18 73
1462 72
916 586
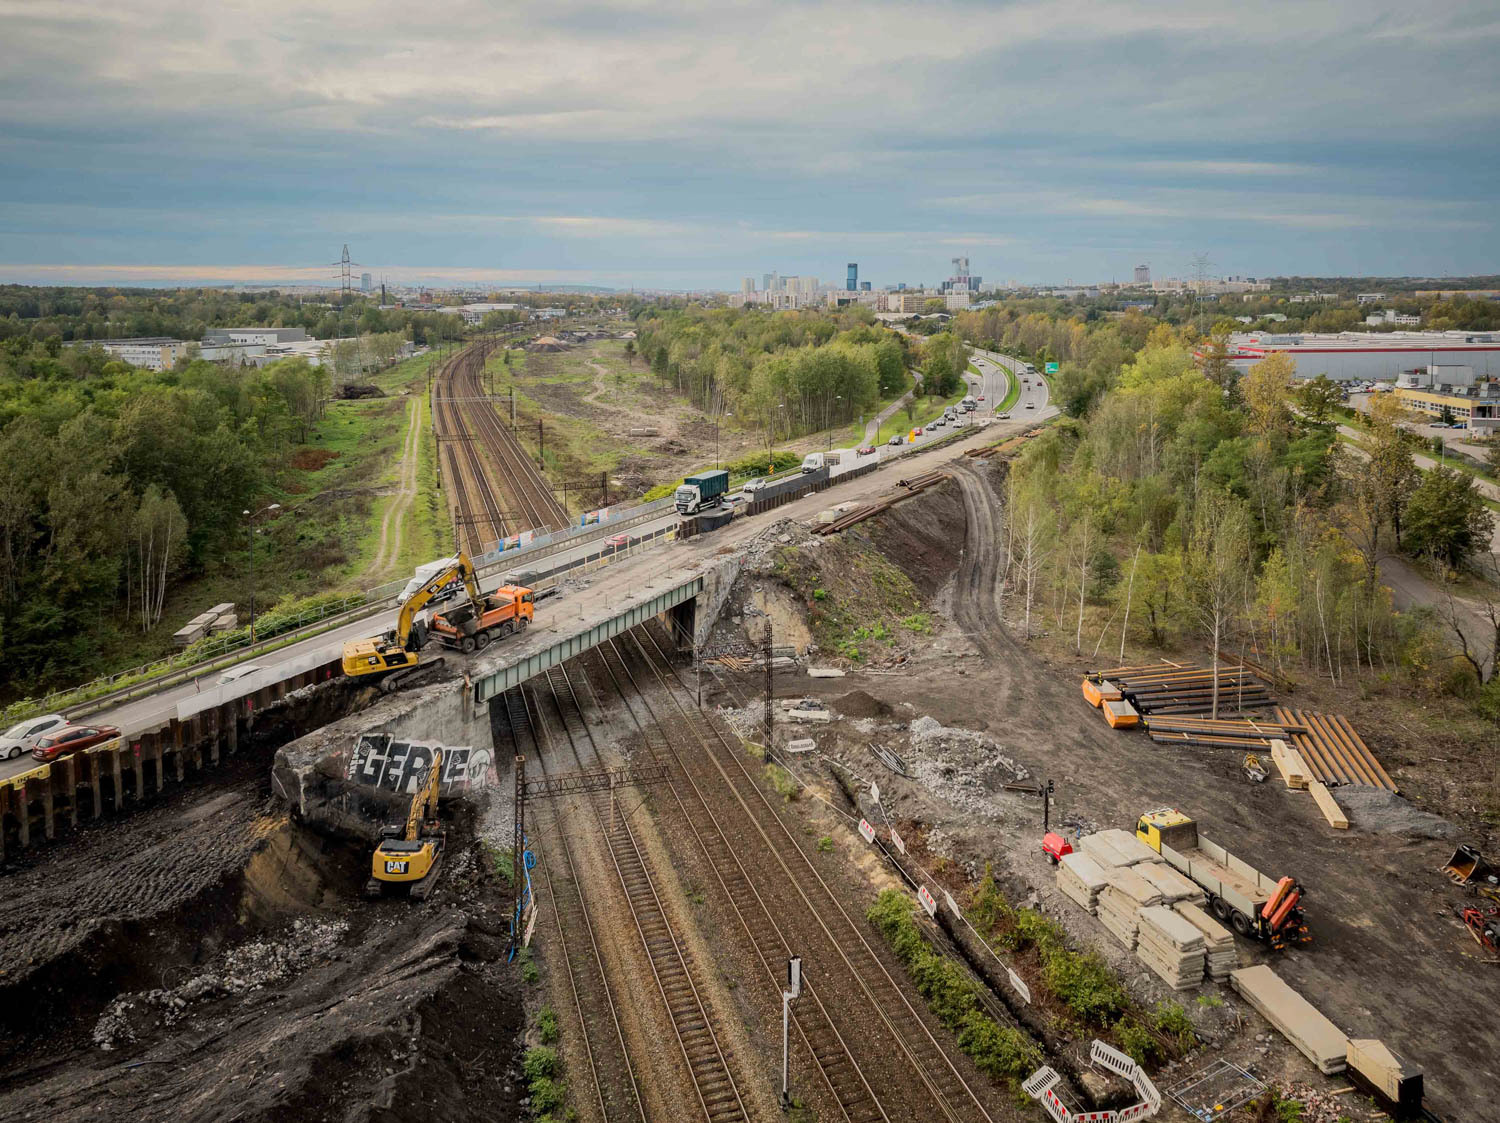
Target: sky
683 145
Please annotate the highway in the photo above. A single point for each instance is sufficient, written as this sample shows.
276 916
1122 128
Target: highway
154 710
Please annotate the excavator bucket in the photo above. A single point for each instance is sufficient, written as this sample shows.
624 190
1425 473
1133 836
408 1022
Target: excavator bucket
1468 865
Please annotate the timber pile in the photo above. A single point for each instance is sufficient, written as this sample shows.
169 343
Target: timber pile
1225 733
1187 688
1290 764
1081 880
1315 1037
1171 884
860 514
1170 946
1332 750
1220 954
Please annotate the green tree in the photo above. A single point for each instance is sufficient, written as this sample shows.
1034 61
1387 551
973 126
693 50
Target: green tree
1446 518
1217 569
1319 397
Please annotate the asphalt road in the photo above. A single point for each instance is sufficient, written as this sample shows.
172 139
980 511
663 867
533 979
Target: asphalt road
152 711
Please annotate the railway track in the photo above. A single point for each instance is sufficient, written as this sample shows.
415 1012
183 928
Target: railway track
477 515
601 1034
904 1072
707 1062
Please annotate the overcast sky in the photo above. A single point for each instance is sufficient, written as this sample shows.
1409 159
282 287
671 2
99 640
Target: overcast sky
682 145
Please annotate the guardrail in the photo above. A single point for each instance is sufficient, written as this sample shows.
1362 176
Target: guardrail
90 697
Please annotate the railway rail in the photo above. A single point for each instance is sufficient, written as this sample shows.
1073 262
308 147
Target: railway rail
916 1077
693 1022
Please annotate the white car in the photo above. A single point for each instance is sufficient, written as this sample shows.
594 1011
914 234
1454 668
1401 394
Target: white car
22 737
234 674
755 485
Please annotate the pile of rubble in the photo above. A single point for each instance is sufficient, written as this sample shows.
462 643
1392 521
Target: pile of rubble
249 966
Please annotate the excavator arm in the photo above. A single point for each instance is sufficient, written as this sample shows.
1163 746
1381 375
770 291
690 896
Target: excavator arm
420 599
424 803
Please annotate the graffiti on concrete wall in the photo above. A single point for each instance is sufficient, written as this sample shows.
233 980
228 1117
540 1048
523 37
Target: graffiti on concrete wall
382 761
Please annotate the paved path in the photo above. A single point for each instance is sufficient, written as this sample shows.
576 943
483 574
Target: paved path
872 429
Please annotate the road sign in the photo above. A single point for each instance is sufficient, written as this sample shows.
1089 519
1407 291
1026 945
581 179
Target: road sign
927 900
1049 368
897 841
866 831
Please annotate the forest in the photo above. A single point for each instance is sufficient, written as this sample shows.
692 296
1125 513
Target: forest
117 480
793 372
1184 505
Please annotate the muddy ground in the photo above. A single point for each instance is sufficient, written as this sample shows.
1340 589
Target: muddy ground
1389 958
203 958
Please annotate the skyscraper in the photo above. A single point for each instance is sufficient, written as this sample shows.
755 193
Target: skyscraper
853 283
765 281
747 285
366 282
1143 274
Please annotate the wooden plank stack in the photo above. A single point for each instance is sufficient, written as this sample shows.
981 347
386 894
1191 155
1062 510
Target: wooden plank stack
1289 763
1118 913
1315 1037
1081 879
1170 946
1221 956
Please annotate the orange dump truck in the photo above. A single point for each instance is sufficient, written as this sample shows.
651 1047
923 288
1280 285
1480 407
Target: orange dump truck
474 625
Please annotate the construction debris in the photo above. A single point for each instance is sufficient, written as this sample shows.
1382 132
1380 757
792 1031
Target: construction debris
1315 1037
825 672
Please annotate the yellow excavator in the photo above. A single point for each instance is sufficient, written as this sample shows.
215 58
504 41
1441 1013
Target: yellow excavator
409 857
392 658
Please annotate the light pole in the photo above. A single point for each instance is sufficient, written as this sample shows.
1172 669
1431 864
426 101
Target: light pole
718 420
250 537
794 990
827 421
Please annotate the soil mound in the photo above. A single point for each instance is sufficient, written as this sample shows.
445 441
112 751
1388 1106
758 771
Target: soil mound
920 535
1375 809
857 703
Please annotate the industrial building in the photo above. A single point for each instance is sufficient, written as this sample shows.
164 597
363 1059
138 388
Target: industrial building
1456 389
254 337
149 353
1361 357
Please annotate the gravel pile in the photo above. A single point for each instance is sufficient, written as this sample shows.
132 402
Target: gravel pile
1375 809
250 966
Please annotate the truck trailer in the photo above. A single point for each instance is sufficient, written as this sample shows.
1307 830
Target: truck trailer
1253 904
472 626
703 491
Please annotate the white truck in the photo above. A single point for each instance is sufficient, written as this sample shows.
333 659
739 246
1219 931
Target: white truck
834 459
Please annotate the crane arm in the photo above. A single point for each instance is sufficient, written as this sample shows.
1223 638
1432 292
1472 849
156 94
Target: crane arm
424 803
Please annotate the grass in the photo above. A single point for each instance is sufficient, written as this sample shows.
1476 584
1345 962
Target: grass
782 782
927 410
1012 394
857 599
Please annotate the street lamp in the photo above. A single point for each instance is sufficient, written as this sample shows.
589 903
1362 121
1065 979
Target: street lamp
718 420
829 421
250 536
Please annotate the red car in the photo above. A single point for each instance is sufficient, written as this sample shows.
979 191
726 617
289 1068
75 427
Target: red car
71 739
866 450
981 397
918 432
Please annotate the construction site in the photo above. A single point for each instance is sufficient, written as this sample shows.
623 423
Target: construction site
770 815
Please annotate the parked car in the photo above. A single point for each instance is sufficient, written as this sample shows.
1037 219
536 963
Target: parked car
23 736
234 674
72 739
866 450
1005 417
755 485
898 439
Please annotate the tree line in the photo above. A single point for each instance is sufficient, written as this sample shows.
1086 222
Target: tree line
118 480
1181 508
792 372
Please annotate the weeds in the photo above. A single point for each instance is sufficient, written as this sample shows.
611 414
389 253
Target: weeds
783 782
546 1025
918 622
1210 1001
1002 1052
825 844
1172 1020
529 972
542 1070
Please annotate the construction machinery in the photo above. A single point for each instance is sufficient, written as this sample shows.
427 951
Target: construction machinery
409 855
395 656
1253 904
1254 768
473 626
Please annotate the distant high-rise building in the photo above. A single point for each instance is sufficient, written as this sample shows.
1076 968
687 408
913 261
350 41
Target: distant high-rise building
747 285
765 282
864 286
789 284
809 285
1143 274
366 282
853 281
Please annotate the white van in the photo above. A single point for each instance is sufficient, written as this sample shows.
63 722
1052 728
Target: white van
424 574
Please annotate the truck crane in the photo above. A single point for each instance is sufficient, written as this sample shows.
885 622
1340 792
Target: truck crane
409 857
396 655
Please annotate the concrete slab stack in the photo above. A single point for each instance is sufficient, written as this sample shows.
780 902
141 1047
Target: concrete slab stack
1315 1037
1170 946
1118 913
1221 955
1116 848
1081 879
1172 885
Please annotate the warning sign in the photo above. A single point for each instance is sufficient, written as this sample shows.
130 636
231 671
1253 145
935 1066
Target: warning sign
897 842
866 831
951 903
928 902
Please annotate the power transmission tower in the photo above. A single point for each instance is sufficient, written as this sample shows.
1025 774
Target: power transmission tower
348 279
1201 265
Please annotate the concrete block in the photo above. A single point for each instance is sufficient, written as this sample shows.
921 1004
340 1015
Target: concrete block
801 745
822 717
1315 1037
825 672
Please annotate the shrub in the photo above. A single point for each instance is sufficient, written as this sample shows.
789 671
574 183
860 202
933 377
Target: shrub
546 1025
546 1094
825 844
1136 1041
1172 1020
539 1061
1085 983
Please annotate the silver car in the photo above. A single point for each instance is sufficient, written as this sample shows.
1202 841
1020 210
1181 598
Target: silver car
755 485
23 736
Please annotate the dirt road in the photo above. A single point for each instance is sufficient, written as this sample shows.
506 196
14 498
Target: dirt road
392 526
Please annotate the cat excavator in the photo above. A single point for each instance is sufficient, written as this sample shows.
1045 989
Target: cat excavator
409 857
396 656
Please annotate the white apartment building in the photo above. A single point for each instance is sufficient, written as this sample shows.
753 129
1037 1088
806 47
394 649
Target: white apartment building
1390 316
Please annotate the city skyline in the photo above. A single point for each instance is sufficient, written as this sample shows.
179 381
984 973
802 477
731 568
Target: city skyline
670 149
